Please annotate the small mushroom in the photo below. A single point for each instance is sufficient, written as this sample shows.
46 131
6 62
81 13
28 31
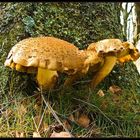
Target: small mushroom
45 56
112 50
101 57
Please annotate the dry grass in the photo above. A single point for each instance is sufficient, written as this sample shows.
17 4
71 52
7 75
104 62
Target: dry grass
39 115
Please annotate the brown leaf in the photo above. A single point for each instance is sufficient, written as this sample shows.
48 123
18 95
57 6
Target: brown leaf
115 89
101 93
67 125
61 135
83 120
36 135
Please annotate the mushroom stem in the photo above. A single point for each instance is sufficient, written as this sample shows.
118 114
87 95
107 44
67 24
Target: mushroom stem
46 78
109 63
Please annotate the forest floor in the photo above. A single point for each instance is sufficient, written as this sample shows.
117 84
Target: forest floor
73 112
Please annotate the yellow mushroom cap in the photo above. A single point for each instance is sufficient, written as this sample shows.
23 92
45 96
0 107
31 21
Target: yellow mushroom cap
46 52
107 46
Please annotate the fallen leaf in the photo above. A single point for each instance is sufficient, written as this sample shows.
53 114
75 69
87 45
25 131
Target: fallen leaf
36 135
57 127
101 93
115 89
83 120
67 125
61 135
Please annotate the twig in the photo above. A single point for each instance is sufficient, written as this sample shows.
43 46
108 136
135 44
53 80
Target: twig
76 110
81 82
66 118
42 117
54 114
35 125
88 134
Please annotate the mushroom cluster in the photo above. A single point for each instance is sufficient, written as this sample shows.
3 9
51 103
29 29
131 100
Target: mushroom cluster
46 56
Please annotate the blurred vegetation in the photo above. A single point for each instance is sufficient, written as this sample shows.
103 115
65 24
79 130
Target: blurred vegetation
80 23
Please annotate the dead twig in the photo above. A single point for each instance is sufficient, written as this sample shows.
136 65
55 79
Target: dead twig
54 114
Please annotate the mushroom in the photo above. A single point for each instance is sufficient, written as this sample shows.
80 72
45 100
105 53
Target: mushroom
102 56
112 50
45 56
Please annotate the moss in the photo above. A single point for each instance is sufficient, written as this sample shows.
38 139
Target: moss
77 22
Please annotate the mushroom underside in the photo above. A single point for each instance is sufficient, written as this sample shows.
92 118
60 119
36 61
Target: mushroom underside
130 57
46 78
21 68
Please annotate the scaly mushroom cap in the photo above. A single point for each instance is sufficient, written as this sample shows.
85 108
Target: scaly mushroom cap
112 50
45 52
93 59
107 47
116 48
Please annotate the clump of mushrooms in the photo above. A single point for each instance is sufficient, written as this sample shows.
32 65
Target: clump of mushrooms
46 56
